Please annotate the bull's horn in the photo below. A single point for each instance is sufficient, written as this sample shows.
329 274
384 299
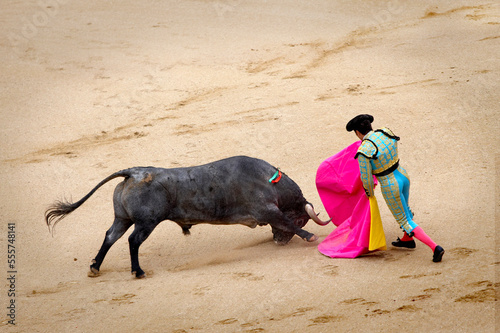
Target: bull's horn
312 214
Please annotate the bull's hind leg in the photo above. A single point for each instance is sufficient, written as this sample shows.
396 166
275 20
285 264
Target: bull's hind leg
139 235
119 227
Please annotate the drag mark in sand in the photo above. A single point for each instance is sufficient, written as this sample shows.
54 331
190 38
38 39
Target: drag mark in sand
325 319
73 148
243 117
271 107
418 276
419 297
248 276
129 131
320 53
408 308
197 97
489 38
462 252
194 129
358 301
257 67
227 321
486 294
297 313
122 299
377 312
61 286
408 84
431 14
330 270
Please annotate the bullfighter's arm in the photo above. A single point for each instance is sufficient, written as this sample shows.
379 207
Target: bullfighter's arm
365 169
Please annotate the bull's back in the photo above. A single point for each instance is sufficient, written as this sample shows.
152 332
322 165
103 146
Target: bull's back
225 190
219 190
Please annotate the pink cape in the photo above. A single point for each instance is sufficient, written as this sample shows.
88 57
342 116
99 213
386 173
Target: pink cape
341 191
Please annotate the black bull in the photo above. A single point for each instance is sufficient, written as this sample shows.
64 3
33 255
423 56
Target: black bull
230 191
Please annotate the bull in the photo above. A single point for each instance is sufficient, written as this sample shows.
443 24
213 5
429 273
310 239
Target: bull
236 190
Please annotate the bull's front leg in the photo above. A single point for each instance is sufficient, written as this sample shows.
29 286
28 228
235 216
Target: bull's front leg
284 228
283 235
305 235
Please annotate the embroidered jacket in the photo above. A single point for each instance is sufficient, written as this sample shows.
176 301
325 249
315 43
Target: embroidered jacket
377 154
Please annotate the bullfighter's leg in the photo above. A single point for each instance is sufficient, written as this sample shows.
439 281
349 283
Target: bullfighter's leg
119 227
139 235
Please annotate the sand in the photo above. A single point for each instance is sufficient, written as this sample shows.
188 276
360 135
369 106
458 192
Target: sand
91 88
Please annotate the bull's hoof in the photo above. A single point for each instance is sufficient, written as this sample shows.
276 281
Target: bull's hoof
94 272
312 238
282 237
139 274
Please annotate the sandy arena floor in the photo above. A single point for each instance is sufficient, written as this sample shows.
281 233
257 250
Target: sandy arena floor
89 88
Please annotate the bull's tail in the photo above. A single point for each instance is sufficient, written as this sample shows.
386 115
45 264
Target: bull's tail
59 209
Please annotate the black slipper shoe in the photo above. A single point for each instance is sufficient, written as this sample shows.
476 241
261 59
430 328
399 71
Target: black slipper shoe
408 244
438 254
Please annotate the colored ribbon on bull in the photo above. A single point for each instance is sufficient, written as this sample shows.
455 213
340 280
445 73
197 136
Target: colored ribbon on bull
276 177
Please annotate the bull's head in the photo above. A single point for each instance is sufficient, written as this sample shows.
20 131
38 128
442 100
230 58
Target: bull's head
299 218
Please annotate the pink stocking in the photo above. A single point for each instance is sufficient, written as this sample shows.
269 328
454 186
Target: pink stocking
422 236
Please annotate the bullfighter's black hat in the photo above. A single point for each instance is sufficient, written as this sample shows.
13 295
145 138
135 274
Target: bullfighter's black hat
355 123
